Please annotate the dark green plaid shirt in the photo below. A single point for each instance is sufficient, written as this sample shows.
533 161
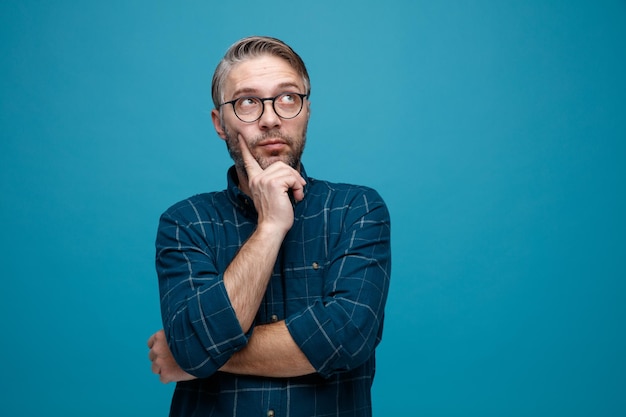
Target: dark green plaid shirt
329 284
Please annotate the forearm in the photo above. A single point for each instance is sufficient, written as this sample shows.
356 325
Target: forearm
247 276
270 352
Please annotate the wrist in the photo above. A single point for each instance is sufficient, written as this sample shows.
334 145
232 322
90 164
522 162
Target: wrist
269 232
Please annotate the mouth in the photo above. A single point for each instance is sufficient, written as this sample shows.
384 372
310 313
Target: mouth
272 145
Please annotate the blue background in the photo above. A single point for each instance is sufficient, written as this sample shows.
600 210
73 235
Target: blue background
494 130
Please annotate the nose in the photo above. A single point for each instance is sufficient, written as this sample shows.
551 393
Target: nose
269 119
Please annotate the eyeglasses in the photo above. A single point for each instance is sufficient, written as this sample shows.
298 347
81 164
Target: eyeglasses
250 109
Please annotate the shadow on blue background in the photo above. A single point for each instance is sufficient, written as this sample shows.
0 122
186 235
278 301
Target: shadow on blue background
495 132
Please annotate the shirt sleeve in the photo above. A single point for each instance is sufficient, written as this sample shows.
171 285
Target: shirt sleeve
199 321
341 329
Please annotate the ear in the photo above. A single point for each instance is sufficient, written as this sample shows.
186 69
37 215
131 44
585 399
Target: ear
217 123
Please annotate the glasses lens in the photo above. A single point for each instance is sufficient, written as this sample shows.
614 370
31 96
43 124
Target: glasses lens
288 105
248 109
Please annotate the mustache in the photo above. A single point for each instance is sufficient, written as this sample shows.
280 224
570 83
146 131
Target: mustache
272 134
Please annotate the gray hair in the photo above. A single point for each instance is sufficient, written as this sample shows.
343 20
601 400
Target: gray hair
253 47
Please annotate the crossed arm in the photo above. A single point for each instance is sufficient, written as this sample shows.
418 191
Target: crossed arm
270 352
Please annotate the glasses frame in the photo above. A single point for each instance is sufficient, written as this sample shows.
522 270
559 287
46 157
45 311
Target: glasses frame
263 100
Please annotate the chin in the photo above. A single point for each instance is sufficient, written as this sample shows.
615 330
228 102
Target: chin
264 162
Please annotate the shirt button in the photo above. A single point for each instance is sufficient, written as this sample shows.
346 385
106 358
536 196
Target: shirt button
270 413
274 319
315 265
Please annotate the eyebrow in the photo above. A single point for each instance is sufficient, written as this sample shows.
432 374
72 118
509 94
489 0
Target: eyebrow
280 87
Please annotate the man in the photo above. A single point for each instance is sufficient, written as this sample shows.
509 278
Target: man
273 290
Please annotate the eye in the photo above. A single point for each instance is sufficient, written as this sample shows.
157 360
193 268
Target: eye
247 102
287 98
247 105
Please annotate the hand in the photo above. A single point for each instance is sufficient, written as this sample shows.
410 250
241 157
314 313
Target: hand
270 189
163 363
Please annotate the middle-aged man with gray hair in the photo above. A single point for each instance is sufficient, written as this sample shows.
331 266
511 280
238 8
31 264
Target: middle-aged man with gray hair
272 290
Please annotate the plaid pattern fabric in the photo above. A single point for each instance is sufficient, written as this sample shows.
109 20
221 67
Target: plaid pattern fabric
329 284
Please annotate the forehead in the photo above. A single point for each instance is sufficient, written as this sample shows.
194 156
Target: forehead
264 75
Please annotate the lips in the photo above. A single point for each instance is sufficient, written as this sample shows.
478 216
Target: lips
269 142
272 144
